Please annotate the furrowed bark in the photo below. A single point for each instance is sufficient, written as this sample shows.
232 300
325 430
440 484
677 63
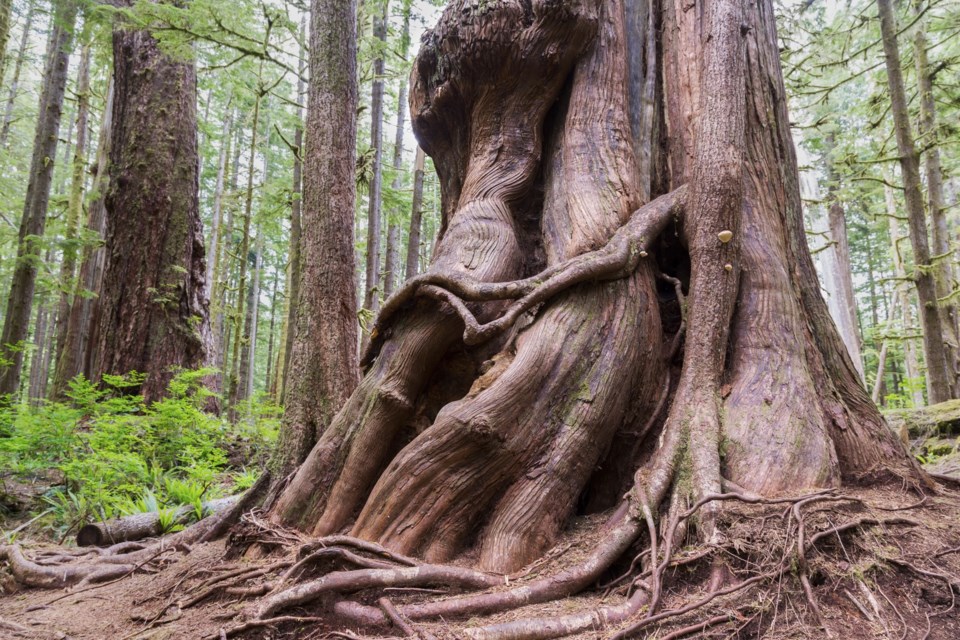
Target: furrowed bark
153 313
322 352
479 238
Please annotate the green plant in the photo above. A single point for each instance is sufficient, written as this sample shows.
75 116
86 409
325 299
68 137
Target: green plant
119 455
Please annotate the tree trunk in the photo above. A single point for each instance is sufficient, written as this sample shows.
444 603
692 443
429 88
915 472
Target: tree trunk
68 266
942 252
940 378
153 308
248 358
516 378
323 352
222 165
239 323
416 217
903 295
293 287
77 354
392 265
268 386
5 11
15 79
373 283
34 220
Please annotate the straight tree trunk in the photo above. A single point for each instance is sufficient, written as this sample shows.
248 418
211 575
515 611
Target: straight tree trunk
34 219
15 78
374 288
942 252
295 268
154 313
416 217
323 357
68 266
248 358
5 10
940 378
849 328
392 265
76 356
914 373
222 164
239 333
35 390
271 371
221 300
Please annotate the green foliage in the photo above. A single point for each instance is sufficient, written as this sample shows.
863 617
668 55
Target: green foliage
118 455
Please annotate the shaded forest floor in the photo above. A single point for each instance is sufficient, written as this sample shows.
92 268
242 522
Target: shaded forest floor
869 582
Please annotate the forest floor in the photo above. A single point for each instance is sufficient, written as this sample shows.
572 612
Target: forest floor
886 581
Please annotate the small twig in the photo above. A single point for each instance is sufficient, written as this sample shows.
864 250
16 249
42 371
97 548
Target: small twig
261 622
398 620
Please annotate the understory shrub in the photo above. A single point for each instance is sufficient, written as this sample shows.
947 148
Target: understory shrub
110 454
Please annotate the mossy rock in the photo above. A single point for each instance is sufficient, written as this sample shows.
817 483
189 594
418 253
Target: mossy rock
938 420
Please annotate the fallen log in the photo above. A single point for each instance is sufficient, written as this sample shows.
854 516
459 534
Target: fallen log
144 525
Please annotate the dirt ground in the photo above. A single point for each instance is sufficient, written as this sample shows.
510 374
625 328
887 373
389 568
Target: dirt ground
886 581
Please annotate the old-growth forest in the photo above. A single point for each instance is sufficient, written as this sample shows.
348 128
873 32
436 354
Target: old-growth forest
499 319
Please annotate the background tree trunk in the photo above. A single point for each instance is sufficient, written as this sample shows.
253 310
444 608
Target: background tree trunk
296 207
34 220
939 378
77 354
371 302
68 266
323 353
153 309
15 78
416 217
942 252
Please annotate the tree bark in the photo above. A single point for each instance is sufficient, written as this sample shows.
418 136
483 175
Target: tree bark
295 268
68 265
239 320
903 295
5 11
77 354
373 283
34 219
154 314
323 356
940 378
516 378
15 78
942 257
392 265
416 217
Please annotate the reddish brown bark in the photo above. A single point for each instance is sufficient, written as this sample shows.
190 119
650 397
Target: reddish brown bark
153 310
521 371
323 356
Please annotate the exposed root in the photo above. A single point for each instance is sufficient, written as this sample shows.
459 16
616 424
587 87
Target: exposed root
616 260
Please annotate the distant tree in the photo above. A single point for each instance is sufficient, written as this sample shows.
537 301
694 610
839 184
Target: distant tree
153 314
32 223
